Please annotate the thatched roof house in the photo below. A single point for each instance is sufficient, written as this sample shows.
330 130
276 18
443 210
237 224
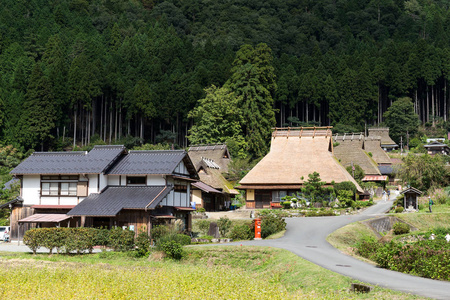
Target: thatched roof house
210 162
350 152
383 133
294 154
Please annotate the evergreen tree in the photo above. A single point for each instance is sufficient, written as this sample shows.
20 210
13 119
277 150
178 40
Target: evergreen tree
39 110
251 82
401 119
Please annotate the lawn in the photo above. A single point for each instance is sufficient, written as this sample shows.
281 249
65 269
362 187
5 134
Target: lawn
228 272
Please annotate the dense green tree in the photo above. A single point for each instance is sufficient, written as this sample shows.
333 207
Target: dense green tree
401 119
217 119
39 114
424 171
251 82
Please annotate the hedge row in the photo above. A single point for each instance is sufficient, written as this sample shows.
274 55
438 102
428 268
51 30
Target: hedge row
78 239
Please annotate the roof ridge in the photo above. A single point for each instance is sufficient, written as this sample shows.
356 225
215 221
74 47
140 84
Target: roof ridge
108 146
155 151
61 153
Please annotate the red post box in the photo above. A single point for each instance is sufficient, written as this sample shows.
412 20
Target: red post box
258 229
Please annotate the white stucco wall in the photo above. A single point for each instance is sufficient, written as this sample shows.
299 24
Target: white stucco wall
31 189
156 180
113 179
93 183
197 196
103 181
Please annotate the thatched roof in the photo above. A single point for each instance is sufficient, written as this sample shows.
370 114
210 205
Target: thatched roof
210 162
218 153
383 133
350 151
294 154
373 145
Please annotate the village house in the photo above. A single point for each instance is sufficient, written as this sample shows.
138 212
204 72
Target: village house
294 154
214 192
372 146
105 187
436 147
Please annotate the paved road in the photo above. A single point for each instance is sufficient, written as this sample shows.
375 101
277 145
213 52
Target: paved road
306 237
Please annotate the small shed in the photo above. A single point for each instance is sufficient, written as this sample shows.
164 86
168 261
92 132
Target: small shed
410 195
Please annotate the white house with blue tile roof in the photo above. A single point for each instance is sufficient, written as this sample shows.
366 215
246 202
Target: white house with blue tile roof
107 186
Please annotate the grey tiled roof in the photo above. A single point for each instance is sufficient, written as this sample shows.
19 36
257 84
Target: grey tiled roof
148 162
115 198
386 170
98 160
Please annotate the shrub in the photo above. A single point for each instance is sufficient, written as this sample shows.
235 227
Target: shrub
121 239
271 224
399 209
172 249
206 237
181 239
286 204
102 237
32 239
345 198
241 232
203 226
344 186
368 247
400 228
200 210
143 244
224 226
53 238
323 213
158 231
79 239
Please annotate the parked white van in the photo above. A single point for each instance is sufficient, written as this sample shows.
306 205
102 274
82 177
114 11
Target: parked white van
3 231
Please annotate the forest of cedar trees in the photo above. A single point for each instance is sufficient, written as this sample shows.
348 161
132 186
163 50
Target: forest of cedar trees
181 72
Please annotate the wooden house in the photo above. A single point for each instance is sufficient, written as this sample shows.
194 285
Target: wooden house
436 147
213 192
294 154
372 146
108 186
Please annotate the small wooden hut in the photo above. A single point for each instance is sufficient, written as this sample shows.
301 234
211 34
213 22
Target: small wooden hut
410 195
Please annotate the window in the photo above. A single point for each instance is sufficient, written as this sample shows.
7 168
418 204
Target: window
277 195
55 185
50 188
68 189
138 180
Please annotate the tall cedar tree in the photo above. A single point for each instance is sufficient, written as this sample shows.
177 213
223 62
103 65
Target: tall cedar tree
253 82
39 110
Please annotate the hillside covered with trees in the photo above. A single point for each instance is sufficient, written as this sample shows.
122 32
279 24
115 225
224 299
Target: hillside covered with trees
75 71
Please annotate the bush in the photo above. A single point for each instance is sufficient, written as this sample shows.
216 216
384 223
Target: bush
399 209
121 239
158 231
32 239
323 213
271 224
203 226
53 238
224 226
368 247
345 198
344 186
181 239
200 210
143 244
400 228
79 239
241 232
172 249
102 237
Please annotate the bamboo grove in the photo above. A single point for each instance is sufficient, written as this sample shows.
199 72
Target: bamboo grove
74 71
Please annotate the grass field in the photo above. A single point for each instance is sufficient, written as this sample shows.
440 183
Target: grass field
229 272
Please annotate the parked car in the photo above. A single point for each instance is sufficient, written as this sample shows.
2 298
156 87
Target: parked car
4 232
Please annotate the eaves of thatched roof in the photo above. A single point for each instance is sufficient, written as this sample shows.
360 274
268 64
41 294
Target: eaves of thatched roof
218 153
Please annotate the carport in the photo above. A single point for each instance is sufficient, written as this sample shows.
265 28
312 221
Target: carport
43 218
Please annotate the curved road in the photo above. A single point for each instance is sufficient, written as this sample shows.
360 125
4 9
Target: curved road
306 237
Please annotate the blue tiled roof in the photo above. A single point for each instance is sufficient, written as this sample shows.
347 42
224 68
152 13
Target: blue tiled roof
149 162
115 198
96 161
